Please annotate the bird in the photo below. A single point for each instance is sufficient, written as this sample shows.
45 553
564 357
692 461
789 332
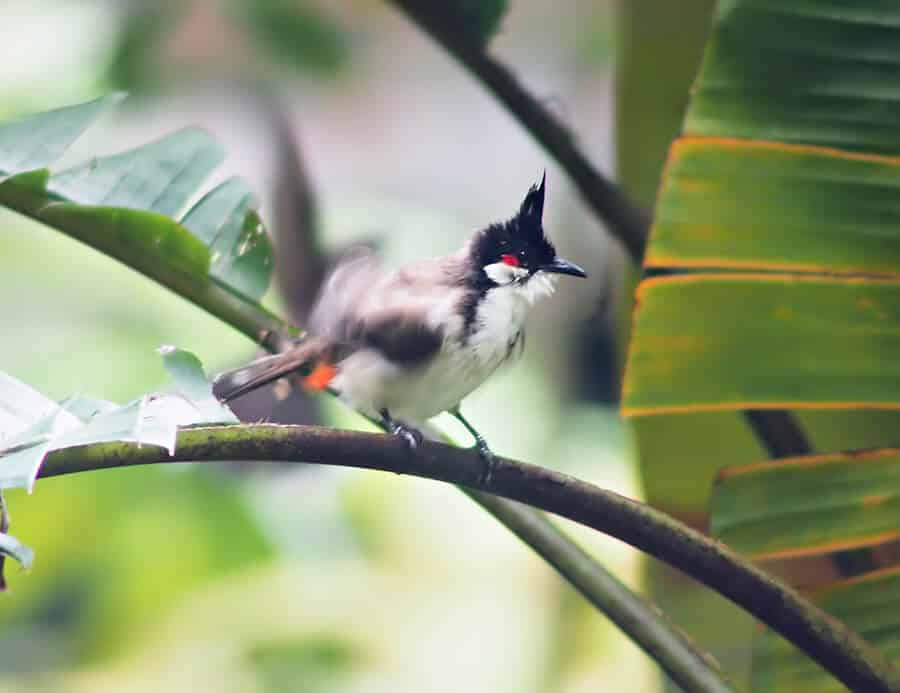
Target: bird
401 346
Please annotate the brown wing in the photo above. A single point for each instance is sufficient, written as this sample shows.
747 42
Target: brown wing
400 340
232 384
365 304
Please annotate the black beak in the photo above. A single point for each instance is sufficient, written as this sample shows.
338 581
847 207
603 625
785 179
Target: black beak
560 266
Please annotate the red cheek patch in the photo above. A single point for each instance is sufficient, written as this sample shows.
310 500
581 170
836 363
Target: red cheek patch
510 260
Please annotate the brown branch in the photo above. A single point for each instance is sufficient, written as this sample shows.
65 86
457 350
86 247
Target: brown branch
828 641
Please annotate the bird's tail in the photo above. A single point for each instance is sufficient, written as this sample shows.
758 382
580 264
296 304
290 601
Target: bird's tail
313 359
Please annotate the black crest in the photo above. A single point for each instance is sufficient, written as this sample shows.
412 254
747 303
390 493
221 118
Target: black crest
521 237
531 213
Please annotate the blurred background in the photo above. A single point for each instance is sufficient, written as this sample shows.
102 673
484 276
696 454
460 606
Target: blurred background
352 125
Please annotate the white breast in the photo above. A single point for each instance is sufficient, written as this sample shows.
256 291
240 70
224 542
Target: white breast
369 382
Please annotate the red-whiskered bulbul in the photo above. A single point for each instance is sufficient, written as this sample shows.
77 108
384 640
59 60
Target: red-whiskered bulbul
408 344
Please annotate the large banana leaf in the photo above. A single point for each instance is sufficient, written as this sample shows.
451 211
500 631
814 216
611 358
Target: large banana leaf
678 455
767 509
780 204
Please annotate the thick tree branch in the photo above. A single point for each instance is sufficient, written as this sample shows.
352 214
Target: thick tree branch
834 646
625 220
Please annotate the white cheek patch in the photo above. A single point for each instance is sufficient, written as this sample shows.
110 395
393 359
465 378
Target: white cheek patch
502 274
539 286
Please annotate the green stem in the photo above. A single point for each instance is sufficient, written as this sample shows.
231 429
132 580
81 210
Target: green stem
833 645
687 665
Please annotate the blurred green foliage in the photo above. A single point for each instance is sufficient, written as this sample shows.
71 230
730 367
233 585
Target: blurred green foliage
140 33
122 547
296 33
250 36
304 665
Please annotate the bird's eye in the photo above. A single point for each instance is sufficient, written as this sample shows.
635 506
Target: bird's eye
509 259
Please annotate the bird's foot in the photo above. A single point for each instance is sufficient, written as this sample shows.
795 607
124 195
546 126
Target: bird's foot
490 461
412 437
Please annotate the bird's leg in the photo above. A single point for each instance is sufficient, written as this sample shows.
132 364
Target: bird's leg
490 462
409 435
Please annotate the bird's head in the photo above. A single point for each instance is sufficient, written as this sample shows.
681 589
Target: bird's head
517 252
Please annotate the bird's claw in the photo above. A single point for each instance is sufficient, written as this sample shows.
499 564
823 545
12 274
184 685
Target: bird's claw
409 435
490 462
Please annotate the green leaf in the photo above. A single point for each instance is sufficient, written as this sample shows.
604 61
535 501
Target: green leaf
21 408
191 383
822 72
28 421
678 455
33 426
226 221
801 342
159 177
655 68
26 192
12 547
142 422
145 240
767 509
86 408
126 205
812 209
788 165
19 467
22 456
39 140
870 605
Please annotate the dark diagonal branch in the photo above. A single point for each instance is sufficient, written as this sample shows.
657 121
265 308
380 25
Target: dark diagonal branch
625 220
778 431
829 642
